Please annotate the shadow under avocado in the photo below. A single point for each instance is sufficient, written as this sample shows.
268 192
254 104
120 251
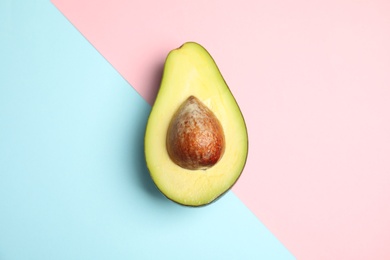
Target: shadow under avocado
155 81
143 175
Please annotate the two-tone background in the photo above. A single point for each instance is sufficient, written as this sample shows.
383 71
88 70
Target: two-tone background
77 81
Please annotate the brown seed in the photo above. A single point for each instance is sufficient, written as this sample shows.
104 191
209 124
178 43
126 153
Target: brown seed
195 138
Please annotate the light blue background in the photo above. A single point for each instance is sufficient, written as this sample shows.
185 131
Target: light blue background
73 180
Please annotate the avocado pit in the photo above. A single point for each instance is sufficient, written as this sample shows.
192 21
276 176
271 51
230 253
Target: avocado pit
195 138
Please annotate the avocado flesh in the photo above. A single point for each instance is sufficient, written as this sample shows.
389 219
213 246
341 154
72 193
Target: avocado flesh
191 71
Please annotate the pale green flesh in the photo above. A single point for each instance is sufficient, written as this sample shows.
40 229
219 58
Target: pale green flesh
190 70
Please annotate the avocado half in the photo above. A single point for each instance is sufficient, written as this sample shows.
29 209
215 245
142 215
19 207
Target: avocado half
190 71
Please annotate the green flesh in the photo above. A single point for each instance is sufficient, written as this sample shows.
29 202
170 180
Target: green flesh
190 70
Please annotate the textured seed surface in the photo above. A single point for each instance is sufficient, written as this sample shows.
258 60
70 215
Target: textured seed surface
195 138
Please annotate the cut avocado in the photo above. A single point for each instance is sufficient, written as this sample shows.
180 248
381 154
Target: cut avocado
196 141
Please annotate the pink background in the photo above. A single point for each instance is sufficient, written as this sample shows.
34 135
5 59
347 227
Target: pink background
312 79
